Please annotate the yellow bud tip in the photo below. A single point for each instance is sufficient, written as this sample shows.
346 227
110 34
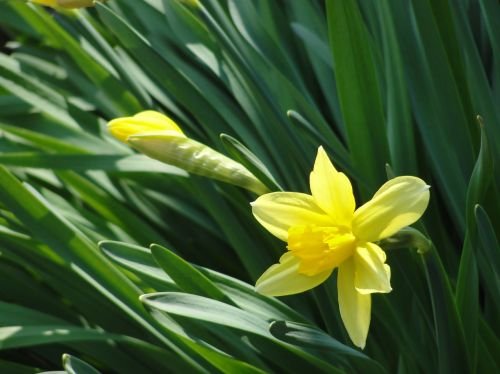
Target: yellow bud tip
142 123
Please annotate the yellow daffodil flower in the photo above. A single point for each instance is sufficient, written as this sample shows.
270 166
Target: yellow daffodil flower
159 137
324 231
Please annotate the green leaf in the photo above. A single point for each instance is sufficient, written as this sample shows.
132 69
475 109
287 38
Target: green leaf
215 312
237 234
358 90
488 260
33 92
314 43
113 57
488 238
48 142
310 26
110 208
115 100
244 156
166 75
436 103
13 105
27 336
74 365
400 131
481 175
451 344
11 315
335 148
204 309
306 336
188 278
15 368
109 163
219 360
490 339
139 261
77 250
467 292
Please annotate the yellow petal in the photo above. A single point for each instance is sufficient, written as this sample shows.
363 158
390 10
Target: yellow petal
398 203
157 116
355 308
278 211
142 123
372 274
332 190
283 278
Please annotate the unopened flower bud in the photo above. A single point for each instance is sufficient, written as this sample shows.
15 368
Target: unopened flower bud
159 137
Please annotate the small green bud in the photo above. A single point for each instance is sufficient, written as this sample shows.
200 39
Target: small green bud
407 238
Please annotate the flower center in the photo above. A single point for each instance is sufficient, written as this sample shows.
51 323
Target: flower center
320 248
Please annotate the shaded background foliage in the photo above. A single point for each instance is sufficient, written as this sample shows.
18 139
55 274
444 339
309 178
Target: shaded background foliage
375 82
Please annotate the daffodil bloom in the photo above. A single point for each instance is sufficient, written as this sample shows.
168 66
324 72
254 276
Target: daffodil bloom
67 4
325 231
159 137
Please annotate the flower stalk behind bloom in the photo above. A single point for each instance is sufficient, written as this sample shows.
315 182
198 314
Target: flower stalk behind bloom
325 231
159 137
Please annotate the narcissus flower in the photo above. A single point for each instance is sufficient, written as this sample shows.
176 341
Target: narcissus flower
324 231
159 137
67 4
